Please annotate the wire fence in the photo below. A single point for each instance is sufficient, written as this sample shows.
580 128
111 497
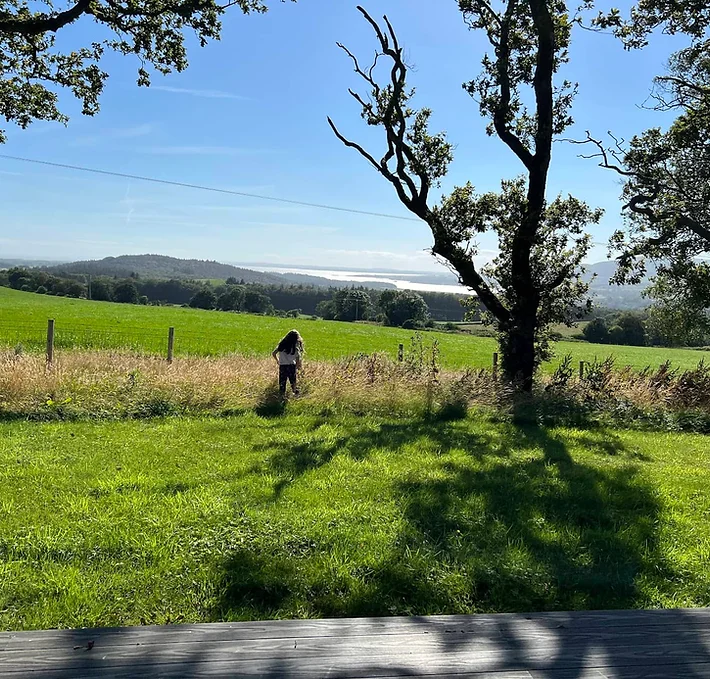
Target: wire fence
34 336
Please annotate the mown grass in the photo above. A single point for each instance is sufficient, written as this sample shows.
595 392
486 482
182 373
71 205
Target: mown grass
103 325
301 516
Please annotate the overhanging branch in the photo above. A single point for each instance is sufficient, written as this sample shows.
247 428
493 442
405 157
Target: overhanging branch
43 23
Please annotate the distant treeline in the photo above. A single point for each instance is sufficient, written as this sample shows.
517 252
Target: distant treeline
236 295
634 328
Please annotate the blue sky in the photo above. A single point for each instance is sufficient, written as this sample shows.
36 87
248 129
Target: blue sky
250 115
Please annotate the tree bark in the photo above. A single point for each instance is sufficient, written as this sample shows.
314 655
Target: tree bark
518 350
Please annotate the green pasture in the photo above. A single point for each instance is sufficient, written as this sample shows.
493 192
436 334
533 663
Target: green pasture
104 325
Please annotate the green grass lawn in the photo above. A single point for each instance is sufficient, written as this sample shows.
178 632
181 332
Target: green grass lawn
295 516
80 323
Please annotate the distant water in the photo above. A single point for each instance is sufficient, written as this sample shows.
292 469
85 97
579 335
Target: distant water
403 281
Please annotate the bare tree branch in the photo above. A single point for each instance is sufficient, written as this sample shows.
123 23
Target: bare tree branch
354 145
399 164
602 153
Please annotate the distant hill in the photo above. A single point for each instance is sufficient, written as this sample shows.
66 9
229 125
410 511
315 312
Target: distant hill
162 267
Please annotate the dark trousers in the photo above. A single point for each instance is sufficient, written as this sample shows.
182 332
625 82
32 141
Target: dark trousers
287 372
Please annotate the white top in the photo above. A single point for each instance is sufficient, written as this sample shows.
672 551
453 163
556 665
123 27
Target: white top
289 359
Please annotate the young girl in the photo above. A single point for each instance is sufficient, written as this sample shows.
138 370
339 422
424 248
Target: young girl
289 356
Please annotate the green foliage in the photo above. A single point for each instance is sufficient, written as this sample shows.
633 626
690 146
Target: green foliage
351 304
623 328
284 297
596 331
101 291
616 335
680 314
232 299
556 258
535 281
691 17
126 293
204 299
34 64
633 329
667 173
256 302
667 193
201 520
403 306
325 309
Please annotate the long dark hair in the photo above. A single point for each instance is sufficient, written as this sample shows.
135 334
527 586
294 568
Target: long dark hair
290 343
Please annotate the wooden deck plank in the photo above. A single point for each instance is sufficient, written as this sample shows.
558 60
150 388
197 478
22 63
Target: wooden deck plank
474 658
445 636
317 646
200 671
596 645
519 624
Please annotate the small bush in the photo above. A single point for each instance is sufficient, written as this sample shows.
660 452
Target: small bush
156 406
562 376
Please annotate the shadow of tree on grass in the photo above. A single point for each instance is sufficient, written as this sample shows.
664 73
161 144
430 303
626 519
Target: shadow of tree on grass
525 527
506 519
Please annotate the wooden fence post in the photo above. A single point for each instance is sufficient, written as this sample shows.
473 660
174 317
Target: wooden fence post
400 353
495 364
50 342
171 344
581 370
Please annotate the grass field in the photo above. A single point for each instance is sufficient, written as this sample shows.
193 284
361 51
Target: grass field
80 323
565 331
223 519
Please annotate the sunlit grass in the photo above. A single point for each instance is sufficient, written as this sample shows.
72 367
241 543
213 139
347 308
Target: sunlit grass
305 516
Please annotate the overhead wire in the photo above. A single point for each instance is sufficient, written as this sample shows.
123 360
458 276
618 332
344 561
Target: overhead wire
199 187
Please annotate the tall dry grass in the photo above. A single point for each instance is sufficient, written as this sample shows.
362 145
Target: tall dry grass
108 384
100 384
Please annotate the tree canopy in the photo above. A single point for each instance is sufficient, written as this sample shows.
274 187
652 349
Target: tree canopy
666 192
666 173
690 17
680 314
400 306
35 64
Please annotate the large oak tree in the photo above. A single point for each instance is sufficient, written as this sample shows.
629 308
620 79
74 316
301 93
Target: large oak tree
535 280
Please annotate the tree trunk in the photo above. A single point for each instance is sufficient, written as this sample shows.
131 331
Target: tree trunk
518 350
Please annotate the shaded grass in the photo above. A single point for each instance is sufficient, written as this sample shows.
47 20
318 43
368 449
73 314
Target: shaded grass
103 325
301 515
